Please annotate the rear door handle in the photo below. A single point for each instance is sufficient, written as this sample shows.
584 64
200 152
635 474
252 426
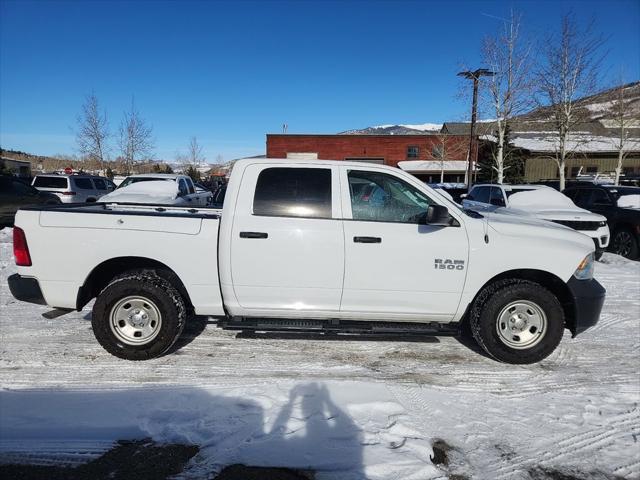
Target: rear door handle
254 235
367 239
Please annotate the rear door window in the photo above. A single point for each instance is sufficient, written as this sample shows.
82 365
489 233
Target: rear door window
182 187
50 182
83 183
190 186
100 184
293 192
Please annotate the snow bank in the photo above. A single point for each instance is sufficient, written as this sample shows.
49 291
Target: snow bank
151 191
541 198
629 201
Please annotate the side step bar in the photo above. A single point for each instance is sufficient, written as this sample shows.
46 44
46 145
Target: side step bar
339 326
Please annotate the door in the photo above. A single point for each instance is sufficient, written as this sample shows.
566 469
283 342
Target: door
394 263
287 247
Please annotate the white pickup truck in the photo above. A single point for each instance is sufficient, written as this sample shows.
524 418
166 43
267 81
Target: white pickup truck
311 245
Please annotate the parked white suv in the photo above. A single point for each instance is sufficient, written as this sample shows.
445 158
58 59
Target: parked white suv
76 188
541 202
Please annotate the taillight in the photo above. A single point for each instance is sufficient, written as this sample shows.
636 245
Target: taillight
68 193
20 248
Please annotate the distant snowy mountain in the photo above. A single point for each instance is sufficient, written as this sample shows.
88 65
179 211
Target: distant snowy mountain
389 129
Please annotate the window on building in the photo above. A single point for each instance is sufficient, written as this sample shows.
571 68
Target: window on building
574 172
293 192
413 151
592 169
627 170
438 151
382 197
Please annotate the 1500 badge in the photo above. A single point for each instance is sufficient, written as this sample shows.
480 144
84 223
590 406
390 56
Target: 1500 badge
448 264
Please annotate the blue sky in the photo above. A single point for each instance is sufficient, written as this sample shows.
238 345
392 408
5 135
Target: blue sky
229 72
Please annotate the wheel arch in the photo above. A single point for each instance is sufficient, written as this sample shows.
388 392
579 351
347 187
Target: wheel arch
106 271
548 280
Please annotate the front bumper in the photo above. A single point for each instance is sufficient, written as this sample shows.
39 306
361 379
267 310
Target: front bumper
600 237
588 298
26 289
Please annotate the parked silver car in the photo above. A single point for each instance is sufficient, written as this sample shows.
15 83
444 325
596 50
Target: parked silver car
74 188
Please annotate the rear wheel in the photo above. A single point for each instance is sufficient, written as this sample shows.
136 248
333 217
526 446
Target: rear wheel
138 316
625 244
517 321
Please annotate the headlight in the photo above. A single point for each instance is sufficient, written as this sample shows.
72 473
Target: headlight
602 224
585 269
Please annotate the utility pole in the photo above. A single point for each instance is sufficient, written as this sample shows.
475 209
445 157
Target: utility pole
473 145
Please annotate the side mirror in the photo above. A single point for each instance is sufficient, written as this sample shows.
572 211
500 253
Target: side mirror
467 196
438 215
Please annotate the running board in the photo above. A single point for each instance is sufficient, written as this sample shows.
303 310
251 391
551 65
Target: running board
57 312
339 326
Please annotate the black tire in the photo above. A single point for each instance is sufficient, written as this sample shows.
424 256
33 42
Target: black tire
166 302
494 299
625 243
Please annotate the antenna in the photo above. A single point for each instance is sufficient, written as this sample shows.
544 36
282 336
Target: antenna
284 128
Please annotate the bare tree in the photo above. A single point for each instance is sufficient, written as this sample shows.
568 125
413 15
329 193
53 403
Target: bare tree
93 131
135 138
448 147
195 154
508 92
623 120
568 71
192 159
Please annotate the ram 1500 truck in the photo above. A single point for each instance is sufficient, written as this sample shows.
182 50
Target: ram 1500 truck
311 245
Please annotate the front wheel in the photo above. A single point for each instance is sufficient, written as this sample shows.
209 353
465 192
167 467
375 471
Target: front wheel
138 316
625 244
517 321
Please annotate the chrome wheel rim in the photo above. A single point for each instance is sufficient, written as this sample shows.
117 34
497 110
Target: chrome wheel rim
622 243
135 320
521 324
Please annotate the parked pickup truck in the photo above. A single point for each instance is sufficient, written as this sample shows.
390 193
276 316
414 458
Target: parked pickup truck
311 245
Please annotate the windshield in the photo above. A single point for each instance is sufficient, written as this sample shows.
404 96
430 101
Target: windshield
620 191
131 180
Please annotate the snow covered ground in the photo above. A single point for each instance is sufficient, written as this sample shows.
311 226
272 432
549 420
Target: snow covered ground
349 409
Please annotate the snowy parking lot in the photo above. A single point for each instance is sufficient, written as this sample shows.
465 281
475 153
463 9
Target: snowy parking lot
342 407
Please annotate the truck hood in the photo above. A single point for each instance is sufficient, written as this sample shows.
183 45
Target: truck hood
578 214
534 228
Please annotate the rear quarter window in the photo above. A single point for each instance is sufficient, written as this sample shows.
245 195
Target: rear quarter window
50 182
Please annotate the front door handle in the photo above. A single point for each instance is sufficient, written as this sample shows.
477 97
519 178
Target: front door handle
254 235
367 239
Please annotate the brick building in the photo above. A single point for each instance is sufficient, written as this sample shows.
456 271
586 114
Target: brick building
426 152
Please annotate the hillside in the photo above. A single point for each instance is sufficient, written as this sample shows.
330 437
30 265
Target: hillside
598 107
